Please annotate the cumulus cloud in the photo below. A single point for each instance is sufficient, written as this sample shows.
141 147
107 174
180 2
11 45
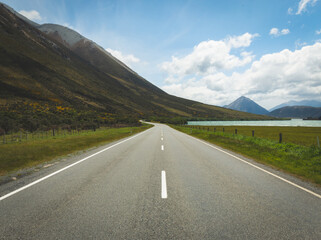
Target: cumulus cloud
32 15
127 59
303 5
318 32
210 57
274 78
276 32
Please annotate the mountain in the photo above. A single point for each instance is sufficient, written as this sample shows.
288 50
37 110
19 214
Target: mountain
297 112
245 104
52 70
98 57
308 103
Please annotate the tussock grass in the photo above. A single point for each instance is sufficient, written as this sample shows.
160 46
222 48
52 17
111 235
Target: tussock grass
300 160
305 136
15 156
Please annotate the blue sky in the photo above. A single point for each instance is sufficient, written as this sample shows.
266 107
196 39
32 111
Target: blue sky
209 51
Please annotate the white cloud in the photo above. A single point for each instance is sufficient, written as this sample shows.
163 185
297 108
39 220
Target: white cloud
285 31
274 78
303 5
276 32
32 15
127 59
318 32
290 11
210 57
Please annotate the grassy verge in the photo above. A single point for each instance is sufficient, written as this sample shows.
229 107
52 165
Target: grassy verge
296 159
305 136
15 156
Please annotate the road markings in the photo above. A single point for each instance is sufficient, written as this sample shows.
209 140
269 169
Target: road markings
263 170
162 147
69 166
164 186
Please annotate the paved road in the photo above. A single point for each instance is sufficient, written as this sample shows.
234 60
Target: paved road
117 194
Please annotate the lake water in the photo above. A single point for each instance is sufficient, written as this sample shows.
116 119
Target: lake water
284 123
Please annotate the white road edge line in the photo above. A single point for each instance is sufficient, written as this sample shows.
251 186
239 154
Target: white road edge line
69 166
162 147
164 186
263 170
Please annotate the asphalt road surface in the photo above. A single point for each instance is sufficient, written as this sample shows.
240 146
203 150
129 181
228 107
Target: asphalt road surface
159 184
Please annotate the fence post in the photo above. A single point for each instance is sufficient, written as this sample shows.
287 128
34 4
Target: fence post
235 131
318 141
223 129
214 129
4 138
53 132
280 138
20 136
252 133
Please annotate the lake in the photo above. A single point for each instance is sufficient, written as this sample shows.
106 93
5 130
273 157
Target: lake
285 123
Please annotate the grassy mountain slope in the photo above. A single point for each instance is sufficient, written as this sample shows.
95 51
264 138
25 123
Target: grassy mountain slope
36 68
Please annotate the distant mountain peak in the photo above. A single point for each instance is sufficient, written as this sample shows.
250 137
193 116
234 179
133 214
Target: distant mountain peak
245 104
308 103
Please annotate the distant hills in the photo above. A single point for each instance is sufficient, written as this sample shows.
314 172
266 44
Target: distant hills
285 110
245 104
52 75
304 112
308 103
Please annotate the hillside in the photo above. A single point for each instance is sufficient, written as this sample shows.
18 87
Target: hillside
41 76
245 104
308 103
297 112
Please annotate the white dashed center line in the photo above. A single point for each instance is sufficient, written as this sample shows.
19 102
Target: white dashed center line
164 186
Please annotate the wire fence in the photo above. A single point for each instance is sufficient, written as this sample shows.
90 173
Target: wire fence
23 136
278 136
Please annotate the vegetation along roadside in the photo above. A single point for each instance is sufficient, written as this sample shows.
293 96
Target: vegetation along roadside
19 155
301 159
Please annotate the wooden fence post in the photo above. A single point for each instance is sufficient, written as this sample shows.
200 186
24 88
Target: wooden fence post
280 138
318 141
252 133
223 129
235 131
214 129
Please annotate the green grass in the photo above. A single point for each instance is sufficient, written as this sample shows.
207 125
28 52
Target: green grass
306 136
301 160
15 156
